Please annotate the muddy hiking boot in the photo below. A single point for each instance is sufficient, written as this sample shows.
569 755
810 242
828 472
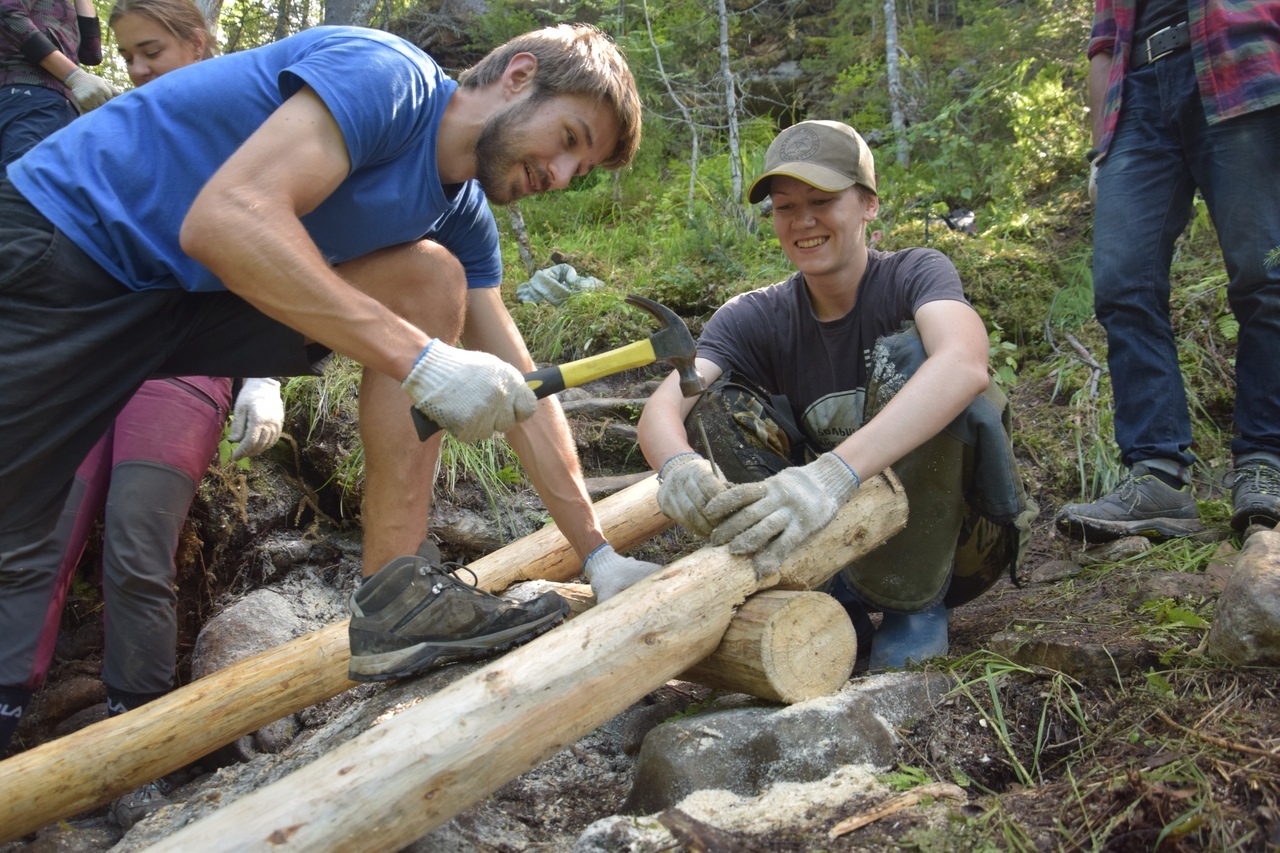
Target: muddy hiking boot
1255 491
1142 505
416 613
139 803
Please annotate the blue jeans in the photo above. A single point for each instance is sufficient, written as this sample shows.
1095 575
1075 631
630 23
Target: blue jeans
1161 152
28 114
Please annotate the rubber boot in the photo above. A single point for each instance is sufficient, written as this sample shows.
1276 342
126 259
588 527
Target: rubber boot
906 637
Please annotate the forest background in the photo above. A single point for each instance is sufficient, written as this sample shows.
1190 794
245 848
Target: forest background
969 105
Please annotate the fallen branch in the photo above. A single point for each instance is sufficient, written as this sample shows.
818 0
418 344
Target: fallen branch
1217 741
935 790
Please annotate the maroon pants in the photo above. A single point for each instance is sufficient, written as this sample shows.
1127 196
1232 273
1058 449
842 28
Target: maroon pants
139 478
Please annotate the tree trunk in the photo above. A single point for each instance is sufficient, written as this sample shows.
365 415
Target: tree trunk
211 10
522 238
415 771
896 92
684 112
731 110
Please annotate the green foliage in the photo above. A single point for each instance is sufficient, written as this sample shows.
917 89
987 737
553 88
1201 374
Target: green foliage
905 778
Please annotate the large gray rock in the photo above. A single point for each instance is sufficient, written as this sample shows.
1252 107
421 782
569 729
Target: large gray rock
1246 626
745 750
261 620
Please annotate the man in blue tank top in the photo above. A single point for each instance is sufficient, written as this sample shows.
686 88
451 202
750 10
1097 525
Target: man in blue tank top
248 215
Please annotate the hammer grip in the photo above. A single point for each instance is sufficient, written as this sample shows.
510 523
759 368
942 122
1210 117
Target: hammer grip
550 380
546 379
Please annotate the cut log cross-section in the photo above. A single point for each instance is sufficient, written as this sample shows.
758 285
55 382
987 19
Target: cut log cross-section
414 771
784 646
781 645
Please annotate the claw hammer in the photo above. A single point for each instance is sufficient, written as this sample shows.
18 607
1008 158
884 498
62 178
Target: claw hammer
672 343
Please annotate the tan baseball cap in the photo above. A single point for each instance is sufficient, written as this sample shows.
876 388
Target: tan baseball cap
828 155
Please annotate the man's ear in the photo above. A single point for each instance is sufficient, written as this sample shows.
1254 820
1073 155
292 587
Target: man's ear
519 75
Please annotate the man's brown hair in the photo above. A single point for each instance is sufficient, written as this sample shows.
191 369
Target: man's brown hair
573 59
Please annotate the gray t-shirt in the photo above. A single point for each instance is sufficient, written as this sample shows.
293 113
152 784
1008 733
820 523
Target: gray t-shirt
772 337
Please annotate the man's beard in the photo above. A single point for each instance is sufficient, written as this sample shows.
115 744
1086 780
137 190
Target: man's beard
496 151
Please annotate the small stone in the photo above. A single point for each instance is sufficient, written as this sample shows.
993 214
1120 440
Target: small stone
1115 552
1056 570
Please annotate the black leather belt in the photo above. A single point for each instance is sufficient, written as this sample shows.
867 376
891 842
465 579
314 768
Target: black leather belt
1160 44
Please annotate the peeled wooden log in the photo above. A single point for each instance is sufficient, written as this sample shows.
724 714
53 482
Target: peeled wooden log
416 770
101 762
781 645
784 646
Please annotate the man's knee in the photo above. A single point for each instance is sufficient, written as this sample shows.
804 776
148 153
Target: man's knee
422 282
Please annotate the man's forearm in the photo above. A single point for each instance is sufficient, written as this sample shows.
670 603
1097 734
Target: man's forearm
545 447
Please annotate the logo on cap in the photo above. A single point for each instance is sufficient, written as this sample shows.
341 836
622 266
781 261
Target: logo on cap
802 145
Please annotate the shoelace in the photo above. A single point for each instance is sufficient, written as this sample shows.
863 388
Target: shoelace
451 569
1266 478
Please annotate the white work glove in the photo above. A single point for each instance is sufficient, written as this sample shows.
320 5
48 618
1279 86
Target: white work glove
90 90
610 573
471 394
771 517
688 482
1093 181
257 418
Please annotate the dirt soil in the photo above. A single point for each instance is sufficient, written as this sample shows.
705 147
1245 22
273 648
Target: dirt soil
1090 716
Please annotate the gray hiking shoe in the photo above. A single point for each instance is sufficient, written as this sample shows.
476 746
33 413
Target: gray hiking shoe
1255 492
415 613
1142 505
139 803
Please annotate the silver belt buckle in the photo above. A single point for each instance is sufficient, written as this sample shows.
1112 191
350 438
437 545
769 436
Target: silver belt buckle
1147 45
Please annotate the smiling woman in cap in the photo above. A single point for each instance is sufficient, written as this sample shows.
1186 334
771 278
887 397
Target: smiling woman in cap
860 360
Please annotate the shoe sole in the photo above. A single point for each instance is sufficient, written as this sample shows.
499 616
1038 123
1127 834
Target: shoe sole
1158 529
1242 518
416 659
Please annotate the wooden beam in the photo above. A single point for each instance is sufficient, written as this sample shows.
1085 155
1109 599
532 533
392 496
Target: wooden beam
105 760
404 777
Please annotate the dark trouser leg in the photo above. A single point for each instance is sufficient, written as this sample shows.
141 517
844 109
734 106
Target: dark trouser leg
1145 192
145 512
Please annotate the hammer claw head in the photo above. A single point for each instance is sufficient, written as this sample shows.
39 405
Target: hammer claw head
674 344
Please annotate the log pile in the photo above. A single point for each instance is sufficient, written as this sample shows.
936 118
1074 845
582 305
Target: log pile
413 772
487 728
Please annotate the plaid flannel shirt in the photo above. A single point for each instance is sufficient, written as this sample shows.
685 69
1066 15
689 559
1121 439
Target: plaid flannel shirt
38 27
1235 45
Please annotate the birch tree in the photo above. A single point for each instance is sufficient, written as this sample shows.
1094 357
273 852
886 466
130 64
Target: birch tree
731 109
680 104
897 95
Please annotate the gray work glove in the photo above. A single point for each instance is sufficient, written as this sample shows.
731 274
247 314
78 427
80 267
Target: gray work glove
89 90
1093 182
610 573
770 518
688 482
471 394
257 419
